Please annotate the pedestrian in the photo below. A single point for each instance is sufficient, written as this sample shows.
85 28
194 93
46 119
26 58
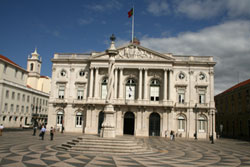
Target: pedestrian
1 129
171 135
62 129
51 133
42 132
166 133
34 130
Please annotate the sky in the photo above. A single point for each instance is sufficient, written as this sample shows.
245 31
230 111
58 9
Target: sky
218 28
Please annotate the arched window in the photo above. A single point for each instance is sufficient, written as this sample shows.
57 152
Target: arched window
202 123
4 118
10 118
181 123
59 118
31 66
130 89
79 119
154 90
104 88
81 73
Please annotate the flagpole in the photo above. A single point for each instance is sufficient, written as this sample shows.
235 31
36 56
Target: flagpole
133 24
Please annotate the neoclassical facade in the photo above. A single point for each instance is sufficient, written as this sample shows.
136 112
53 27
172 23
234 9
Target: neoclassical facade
153 93
23 101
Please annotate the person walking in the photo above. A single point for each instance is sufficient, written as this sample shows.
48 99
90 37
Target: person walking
166 133
171 135
42 132
34 130
1 129
51 133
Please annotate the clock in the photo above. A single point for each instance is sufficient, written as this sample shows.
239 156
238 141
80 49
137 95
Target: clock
201 76
181 76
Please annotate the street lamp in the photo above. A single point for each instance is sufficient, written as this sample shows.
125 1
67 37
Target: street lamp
212 140
195 135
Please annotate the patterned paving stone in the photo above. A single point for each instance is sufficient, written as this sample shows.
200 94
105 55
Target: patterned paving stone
21 149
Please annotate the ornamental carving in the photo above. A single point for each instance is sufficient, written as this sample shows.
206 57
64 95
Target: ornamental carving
134 53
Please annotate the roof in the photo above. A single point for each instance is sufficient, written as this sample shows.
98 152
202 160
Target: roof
235 87
11 62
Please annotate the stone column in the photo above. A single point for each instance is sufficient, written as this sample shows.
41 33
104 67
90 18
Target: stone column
145 84
140 84
116 79
91 82
171 87
120 84
108 125
96 83
165 85
211 80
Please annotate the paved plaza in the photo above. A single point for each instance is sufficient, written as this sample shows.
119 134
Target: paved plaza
23 149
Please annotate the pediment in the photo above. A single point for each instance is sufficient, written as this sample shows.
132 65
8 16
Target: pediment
135 52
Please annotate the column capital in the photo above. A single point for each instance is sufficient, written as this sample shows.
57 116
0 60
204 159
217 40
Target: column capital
97 68
91 68
140 69
120 68
146 69
170 70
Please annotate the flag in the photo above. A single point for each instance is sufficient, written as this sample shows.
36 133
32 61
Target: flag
131 12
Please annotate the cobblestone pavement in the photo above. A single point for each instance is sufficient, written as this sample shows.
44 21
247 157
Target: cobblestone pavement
19 149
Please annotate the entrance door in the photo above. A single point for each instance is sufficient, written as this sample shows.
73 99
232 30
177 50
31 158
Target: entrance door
129 123
100 121
154 124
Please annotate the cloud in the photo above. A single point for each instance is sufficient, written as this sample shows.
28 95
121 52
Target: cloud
158 7
227 42
82 21
201 9
105 6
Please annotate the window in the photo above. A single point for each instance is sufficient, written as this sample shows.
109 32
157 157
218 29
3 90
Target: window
7 94
80 93
31 66
4 117
22 75
6 107
17 108
181 96
104 88
202 121
59 118
12 108
130 89
63 73
18 96
79 119
202 98
181 123
154 90
10 118
61 92
16 73
27 109
28 99
181 75
5 68
13 96
22 109
81 73
23 97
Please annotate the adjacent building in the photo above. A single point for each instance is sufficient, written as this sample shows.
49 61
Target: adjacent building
233 116
154 92
24 94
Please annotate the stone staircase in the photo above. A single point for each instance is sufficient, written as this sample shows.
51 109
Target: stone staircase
95 144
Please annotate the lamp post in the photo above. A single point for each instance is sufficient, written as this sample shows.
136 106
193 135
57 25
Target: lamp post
212 140
195 136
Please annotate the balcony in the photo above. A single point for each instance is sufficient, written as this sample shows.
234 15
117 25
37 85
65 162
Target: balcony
202 105
181 105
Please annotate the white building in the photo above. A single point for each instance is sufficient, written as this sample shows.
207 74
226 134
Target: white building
153 92
22 101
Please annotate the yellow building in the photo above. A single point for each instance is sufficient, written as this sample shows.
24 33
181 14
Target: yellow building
233 116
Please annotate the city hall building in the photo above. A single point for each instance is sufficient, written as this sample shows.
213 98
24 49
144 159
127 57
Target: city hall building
154 93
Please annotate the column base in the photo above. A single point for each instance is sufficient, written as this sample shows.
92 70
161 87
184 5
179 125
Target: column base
108 126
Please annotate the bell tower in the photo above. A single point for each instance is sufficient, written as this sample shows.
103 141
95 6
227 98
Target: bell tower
34 68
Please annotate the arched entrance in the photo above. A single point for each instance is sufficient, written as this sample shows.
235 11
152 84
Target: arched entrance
129 123
100 121
154 124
